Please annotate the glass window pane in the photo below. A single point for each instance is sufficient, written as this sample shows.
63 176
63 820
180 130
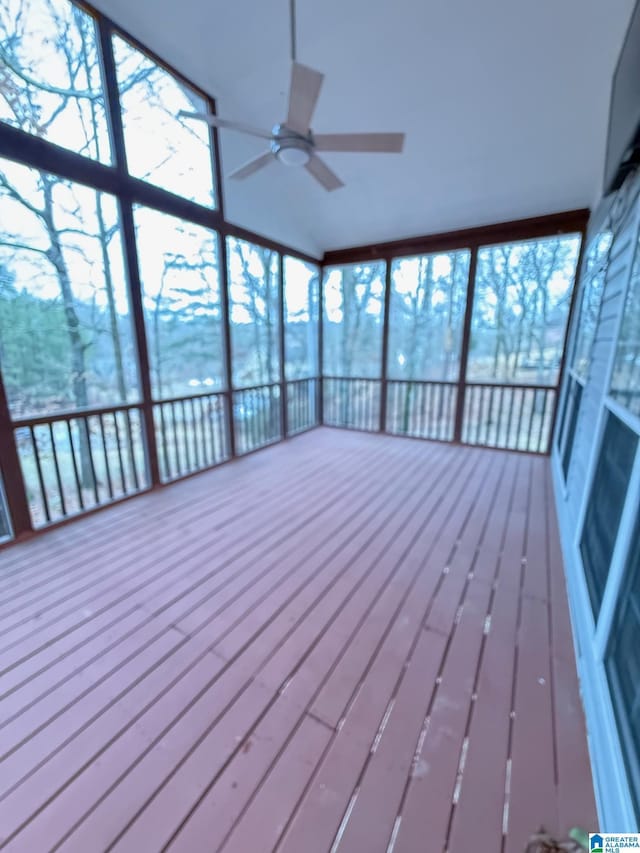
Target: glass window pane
426 316
573 398
606 502
623 664
66 338
51 80
353 314
625 379
301 284
181 296
255 324
168 151
594 273
521 305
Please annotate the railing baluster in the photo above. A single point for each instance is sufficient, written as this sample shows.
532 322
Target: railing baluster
56 467
185 436
269 395
512 396
212 415
221 419
518 433
542 431
451 411
433 409
531 417
303 404
252 423
74 465
367 404
132 451
300 416
43 491
500 413
176 445
246 422
474 412
196 449
165 448
206 454
489 417
265 417
436 392
367 400
414 409
106 458
85 421
123 478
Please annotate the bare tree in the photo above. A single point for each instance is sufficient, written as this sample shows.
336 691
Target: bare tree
74 40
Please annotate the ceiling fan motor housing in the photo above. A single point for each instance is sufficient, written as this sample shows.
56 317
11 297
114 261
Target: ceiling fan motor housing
291 148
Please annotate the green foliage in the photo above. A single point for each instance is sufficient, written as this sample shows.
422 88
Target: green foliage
34 349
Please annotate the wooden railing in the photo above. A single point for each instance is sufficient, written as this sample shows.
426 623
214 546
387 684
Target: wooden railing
352 402
421 409
75 461
509 417
257 416
191 434
72 462
302 409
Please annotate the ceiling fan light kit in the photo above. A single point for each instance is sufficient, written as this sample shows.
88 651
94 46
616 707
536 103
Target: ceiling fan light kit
290 148
293 142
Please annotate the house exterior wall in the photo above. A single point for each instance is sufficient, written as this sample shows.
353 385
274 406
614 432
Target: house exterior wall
574 461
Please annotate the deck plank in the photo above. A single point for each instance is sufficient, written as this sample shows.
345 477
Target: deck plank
360 663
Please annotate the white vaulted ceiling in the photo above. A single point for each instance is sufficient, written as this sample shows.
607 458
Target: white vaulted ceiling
504 103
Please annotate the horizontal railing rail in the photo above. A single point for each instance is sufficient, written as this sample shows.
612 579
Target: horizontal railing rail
302 408
75 461
191 433
257 417
257 387
72 414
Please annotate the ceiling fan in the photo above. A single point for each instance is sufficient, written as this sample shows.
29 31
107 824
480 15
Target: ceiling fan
293 142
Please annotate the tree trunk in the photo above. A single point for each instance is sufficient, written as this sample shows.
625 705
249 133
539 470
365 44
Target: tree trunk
111 303
102 233
78 364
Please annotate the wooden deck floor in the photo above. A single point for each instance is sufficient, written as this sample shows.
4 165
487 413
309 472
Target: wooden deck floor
347 643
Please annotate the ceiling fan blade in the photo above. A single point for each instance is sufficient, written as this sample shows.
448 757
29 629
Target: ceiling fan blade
303 97
227 124
252 166
323 174
391 143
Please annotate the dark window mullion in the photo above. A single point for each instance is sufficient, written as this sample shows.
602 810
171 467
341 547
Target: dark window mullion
112 95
